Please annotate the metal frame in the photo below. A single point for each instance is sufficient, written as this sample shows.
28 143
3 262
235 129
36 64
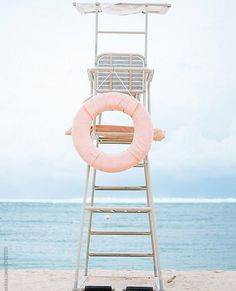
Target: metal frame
97 32
151 8
88 204
148 73
142 95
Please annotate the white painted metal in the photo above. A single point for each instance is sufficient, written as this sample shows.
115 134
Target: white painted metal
150 223
157 270
81 282
135 69
142 210
124 73
96 36
81 231
90 222
133 80
149 210
120 32
114 74
146 36
120 8
120 72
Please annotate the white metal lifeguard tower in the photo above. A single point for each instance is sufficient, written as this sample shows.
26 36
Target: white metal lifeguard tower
127 73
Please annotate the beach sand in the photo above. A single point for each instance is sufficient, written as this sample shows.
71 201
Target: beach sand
58 280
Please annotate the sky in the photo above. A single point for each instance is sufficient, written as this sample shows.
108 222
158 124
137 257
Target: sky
46 48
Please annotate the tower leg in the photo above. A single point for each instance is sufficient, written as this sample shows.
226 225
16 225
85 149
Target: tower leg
153 226
90 222
82 221
150 221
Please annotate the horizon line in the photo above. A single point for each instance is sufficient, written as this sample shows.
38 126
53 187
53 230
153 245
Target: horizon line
127 200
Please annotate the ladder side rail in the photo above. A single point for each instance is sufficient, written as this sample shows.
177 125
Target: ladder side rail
148 97
82 221
90 223
159 280
146 36
144 96
97 120
150 220
96 34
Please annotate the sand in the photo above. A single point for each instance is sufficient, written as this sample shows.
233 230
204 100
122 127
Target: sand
55 280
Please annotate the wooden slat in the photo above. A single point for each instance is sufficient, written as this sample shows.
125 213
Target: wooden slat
93 254
119 209
101 232
120 188
119 133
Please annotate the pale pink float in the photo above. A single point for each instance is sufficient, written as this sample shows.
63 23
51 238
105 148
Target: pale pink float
107 162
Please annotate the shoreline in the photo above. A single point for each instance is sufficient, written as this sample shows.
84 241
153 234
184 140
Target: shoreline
62 280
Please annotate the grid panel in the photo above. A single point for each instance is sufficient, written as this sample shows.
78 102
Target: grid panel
122 81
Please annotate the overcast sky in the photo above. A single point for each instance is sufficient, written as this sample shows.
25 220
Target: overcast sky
46 48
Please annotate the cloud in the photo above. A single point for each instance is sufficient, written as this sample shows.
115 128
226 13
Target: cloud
187 154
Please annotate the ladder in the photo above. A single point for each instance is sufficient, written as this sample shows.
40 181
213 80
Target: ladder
88 207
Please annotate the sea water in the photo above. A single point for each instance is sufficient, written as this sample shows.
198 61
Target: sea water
193 235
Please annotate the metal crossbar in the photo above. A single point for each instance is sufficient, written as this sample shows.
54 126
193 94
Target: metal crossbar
121 32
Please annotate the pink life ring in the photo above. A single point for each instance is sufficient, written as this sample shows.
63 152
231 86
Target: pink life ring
108 162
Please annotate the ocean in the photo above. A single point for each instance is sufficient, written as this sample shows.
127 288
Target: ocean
194 234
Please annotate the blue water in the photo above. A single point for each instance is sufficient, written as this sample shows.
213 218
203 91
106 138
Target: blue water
191 236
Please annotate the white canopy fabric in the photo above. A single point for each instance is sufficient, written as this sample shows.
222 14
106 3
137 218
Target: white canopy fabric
119 8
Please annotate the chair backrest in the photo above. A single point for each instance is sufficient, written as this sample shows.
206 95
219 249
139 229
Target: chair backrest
123 79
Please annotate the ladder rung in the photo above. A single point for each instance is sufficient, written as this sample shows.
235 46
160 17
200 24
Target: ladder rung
119 209
121 32
121 254
100 232
118 188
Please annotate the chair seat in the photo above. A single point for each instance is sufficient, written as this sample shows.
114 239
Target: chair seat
120 133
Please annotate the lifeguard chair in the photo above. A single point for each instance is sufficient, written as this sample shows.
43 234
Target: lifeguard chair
126 73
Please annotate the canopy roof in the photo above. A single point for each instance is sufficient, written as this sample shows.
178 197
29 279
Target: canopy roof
120 8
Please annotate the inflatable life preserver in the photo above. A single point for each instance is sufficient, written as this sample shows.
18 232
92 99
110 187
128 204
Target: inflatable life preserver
108 162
